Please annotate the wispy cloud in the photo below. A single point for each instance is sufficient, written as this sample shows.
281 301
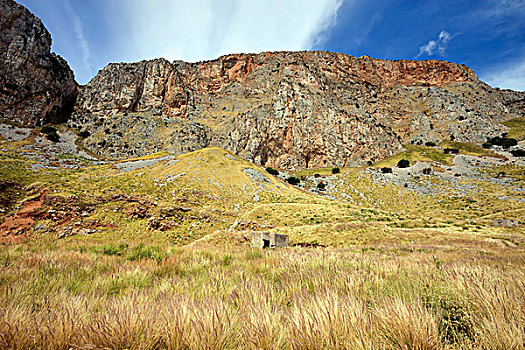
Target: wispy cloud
507 76
204 29
502 8
79 35
438 46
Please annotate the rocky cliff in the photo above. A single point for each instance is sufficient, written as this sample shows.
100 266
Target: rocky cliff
36 86
281 109
289 109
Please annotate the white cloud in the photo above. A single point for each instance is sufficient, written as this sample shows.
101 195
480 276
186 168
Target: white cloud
507 76
79 35
438 46
503 8
195 30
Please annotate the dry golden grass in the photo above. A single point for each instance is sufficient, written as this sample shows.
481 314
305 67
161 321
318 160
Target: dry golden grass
209 298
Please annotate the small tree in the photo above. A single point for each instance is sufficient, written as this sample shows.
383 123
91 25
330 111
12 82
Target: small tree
403 163
430 144
321 186
336 170
292 180
386 170
272 171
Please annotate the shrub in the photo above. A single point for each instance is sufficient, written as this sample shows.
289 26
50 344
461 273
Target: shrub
84 134
509 142
403 163
518 153
336 170
53 136
451 150
386 170
486 145
430 144
292 180
427 171
272 171
48 129
321 186
504 142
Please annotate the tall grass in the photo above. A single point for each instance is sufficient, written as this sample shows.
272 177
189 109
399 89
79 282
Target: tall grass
203 298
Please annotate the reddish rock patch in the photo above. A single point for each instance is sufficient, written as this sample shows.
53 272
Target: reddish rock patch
22 222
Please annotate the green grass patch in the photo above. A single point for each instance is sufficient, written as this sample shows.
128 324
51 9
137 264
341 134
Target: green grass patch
414 154
516 128
468 148
142 252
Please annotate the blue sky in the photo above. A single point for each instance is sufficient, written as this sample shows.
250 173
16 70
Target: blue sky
486 35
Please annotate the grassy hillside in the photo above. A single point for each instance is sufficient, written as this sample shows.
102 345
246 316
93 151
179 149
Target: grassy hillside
154 253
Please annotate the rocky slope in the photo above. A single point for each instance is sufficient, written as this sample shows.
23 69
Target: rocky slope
289 109
36 86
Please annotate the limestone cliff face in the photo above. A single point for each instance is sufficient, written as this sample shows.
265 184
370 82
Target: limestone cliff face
36 86
282 109
289 109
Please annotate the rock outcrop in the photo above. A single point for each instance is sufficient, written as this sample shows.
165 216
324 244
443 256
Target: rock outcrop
289 109
36 86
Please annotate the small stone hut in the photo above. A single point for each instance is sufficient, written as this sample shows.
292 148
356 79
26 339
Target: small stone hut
269 240
505 223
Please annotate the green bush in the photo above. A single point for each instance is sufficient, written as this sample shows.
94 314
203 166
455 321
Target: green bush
451 150
386 170
336 170
53 136
518 153
403 163
430 144
84 134
509 142
48 129
272 171
504 142
292 180
321 186
486 145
